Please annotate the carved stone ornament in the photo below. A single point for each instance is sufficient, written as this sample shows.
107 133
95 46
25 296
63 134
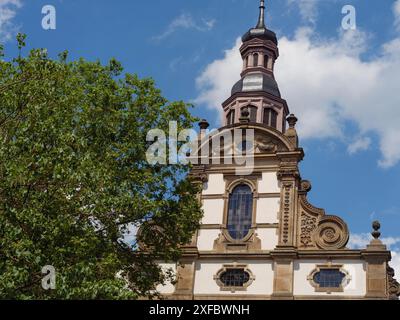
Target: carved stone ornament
268 144
316 229
286 212
198 174
224 243
288 173
393 285
263 145
331 233
307 225
305 186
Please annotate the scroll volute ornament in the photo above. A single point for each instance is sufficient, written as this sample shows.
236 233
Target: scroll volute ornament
331 233
318 229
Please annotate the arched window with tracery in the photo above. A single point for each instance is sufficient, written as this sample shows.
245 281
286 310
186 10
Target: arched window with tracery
240 212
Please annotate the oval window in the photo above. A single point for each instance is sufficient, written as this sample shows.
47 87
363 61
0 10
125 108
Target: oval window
329 278
235 278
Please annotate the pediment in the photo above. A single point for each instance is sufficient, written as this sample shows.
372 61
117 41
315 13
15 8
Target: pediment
263 140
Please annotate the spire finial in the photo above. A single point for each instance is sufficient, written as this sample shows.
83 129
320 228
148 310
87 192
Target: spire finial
261 19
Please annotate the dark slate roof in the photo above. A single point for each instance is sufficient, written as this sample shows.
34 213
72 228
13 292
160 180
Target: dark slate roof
260 33
268 85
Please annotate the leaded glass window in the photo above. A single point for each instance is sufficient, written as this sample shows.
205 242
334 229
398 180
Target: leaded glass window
235 278
329 278
240 210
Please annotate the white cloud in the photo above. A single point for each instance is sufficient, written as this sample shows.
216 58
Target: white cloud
327 84
360 241
8 11
308 9
218 78
395 264
360 144
396 10
185 21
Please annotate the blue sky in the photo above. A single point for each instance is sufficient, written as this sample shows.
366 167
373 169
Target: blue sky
349 116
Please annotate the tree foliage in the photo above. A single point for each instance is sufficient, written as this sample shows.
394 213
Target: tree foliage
74 180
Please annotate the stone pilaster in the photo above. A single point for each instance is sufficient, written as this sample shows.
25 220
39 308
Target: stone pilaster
376 257
283 274
184 288
289 177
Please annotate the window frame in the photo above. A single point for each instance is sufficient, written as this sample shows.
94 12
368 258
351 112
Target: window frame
270 111
266 61
256 59
235 266
229 189
230 117
346 280
249 214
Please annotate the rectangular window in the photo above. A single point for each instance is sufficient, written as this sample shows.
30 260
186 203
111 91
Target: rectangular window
266 116
270 117
255 60
265 61
231 117
253 114
274 118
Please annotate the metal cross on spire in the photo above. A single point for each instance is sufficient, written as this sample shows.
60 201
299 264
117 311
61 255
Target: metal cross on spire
261 19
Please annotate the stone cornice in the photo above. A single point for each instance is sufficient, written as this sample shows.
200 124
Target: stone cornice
291 253
252 94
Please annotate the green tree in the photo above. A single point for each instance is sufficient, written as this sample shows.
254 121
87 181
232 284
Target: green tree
74 180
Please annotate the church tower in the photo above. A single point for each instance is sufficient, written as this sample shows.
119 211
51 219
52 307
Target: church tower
260 238
257 89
